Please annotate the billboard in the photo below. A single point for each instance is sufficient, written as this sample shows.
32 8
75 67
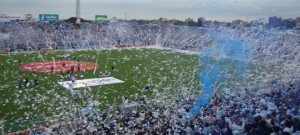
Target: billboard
8 18
100 17
49 17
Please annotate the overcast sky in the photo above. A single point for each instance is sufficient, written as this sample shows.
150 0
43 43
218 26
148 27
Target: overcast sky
223 10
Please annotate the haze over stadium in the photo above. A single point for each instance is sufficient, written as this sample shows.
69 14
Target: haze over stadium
221 10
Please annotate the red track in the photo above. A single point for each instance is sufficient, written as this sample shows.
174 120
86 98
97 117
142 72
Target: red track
57 66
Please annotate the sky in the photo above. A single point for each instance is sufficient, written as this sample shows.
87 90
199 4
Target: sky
221 10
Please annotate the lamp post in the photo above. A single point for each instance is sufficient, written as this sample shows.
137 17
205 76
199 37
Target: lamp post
78 11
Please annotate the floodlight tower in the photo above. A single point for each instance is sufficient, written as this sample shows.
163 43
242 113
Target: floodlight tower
77 11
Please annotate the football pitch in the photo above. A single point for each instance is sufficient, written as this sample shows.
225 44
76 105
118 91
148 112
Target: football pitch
30 98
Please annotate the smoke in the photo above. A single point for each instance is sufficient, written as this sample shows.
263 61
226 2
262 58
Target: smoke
222 53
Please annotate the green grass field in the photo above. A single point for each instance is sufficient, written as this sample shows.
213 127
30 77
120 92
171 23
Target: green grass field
21 107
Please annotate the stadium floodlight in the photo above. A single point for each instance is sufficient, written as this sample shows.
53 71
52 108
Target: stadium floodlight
78 11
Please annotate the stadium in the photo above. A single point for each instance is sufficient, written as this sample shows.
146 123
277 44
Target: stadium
122 77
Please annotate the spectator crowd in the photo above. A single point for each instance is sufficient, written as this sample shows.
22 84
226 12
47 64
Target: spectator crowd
245 112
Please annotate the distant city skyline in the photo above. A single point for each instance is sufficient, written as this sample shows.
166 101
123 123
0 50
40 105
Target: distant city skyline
221 10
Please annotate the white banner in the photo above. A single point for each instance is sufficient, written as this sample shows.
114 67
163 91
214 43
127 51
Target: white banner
89 82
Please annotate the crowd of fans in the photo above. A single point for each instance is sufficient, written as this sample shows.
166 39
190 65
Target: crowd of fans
61 35
243 112
265 45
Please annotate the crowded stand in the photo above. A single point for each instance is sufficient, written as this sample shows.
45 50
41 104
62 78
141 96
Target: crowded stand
65 36
62 35
270 110
239 113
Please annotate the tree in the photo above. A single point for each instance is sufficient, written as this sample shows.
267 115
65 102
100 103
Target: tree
178 22
191 23
200 22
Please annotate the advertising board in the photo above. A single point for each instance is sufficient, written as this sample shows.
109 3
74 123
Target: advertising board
100 17
8 18
49 17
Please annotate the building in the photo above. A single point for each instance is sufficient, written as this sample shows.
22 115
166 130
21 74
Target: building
236 23
113 20
189 20
289 23
163 20
298 20
275 21
200 22
298 23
